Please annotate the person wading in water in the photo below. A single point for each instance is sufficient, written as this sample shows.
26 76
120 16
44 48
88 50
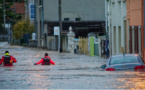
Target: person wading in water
7 59
45 61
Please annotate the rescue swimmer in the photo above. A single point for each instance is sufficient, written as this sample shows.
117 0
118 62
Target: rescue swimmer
7 59
45 61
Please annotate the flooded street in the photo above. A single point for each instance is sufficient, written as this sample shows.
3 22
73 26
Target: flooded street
71 71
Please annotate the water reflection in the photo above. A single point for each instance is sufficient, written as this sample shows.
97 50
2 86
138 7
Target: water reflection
133 80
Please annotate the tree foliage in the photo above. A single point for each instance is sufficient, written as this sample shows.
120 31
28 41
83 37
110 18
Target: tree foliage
21 28
10 15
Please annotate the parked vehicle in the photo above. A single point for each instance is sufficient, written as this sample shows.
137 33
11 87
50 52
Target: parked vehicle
131 62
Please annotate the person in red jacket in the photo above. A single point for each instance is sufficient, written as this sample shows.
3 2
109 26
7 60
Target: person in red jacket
45 61
7 59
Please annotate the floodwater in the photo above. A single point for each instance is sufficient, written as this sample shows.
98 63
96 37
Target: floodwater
72 71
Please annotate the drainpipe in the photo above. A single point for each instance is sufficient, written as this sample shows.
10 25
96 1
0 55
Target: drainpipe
42 20
35 22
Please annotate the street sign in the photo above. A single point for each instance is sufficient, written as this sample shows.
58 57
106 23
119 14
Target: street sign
33 36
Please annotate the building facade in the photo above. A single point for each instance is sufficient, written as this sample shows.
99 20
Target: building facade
117 25
134 26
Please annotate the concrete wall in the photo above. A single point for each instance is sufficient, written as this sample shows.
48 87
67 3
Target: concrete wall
84 9
52 43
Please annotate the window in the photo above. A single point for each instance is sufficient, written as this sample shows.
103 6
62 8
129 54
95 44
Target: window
78 19
66 19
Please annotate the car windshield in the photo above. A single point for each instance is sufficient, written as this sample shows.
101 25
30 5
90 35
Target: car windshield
126 59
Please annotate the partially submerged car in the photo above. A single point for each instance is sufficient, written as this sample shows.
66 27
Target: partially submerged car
131 62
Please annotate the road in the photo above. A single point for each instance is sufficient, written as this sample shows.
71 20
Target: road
72 71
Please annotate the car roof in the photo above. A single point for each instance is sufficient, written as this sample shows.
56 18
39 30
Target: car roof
120 55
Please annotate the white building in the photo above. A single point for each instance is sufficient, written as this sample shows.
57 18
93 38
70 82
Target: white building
116 18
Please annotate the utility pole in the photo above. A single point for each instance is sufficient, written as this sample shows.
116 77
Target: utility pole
60 26
4 12
42 17
35 22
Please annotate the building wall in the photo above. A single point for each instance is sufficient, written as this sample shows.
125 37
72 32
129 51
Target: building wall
87 10
134 19
117 19
134 8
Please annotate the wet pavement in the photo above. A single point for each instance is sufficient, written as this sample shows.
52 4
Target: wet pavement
72 71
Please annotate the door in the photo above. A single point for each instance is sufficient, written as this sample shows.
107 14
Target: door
130 41
136 49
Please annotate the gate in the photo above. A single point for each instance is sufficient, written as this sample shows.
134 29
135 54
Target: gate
83 45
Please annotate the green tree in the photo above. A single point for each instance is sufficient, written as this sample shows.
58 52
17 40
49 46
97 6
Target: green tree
10 15
21 28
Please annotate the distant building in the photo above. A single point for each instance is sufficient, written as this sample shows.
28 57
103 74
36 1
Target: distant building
18 8
84 16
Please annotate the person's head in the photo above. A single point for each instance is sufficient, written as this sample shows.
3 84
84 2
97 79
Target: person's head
46 54
6 52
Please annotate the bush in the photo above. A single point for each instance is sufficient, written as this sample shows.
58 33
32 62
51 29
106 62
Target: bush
21 28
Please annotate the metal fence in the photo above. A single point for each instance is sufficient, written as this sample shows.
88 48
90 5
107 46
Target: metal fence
3 37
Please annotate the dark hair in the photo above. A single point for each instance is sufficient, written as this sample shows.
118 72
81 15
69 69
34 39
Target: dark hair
46 54
6 51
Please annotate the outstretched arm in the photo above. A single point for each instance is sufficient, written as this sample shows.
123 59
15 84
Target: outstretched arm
14 60
38 62
2 59
52 62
